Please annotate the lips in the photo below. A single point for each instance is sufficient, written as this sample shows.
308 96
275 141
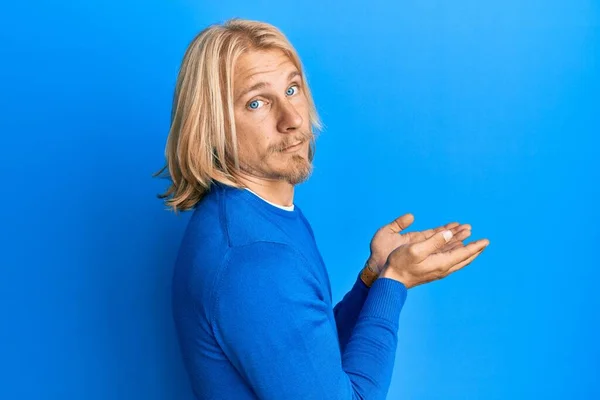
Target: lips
292 146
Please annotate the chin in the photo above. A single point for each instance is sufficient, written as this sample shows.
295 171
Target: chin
298 171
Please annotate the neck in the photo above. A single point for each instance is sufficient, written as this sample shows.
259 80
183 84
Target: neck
274 190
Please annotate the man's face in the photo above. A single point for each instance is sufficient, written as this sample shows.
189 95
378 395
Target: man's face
272 117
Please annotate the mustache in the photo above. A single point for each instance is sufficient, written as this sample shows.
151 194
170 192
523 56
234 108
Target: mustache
291 140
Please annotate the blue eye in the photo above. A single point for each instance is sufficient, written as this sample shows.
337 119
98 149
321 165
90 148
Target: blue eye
256 104
288 91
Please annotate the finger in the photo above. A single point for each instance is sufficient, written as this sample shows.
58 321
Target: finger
421 250
430 232
455 227
401 223
465 263
456 241
461 254
417 236
453 246
460 235
462 227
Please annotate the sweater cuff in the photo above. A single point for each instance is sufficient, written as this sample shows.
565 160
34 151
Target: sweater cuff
385 300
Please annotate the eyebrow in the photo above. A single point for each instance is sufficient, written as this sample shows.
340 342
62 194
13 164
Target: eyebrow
261 85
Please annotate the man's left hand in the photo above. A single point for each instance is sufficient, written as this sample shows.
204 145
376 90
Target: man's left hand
388 238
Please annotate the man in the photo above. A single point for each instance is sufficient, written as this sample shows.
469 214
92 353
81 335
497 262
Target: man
251 295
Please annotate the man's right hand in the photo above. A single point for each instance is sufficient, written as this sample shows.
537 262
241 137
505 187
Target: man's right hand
422 262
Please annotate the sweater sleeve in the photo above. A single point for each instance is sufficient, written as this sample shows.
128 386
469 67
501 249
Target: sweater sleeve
272 320
346 311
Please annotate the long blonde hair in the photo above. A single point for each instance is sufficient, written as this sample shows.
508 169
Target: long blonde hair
202 145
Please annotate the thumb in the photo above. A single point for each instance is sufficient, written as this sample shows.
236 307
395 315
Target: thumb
434 243
401 223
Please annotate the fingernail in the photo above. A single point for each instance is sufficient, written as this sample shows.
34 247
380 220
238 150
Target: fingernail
447 235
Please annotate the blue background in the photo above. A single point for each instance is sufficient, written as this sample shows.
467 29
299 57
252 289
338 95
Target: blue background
486 113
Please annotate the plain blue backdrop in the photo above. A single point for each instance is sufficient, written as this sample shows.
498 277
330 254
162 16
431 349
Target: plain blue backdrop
485 113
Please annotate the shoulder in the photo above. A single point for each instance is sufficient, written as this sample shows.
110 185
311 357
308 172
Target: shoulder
264 259
262 273
241 218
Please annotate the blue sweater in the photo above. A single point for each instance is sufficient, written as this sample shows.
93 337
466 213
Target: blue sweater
253 309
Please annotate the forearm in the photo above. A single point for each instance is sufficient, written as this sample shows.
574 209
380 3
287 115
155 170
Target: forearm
371 349
346 312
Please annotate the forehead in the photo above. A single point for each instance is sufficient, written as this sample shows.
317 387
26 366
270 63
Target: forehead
255 65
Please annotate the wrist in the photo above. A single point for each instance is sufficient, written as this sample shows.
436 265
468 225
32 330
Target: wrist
374 265
392 274
369 273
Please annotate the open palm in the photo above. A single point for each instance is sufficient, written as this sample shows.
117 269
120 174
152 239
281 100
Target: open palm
388 238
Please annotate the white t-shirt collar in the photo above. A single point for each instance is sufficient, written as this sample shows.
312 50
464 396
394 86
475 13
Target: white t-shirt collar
287 208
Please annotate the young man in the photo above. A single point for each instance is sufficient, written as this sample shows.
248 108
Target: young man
251 295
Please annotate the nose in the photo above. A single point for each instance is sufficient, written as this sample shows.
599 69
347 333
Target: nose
290 119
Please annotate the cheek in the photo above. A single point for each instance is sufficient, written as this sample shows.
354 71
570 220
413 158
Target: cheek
246 133
306 149
302 106
253 145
